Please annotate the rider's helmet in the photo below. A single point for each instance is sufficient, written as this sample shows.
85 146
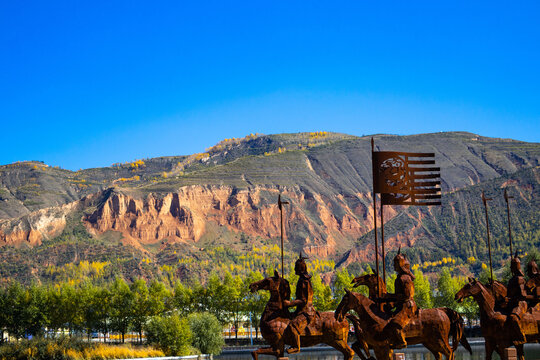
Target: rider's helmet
532 269
300 266
515 266
402 264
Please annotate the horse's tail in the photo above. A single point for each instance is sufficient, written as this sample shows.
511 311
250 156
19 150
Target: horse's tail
457 330
360 343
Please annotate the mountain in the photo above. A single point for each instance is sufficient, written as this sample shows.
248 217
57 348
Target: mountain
165 211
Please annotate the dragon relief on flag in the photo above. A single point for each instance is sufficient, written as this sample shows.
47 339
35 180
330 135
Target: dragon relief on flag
395 173
406 178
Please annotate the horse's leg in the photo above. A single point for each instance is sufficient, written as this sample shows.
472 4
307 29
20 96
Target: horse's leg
383 353
281 346
520 354
360 344
435 350
499 350
439 348
489 347
342 347
359 349
266 351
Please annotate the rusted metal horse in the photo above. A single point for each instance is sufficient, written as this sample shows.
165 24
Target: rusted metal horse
275 318
431 328
375 284
494 323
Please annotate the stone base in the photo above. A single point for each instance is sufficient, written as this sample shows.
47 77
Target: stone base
399 356
510 354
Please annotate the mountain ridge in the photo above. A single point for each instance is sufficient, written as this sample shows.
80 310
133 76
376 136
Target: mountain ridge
228 194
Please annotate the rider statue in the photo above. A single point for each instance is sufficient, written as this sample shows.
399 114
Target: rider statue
517 297
304 305
534 283
403 298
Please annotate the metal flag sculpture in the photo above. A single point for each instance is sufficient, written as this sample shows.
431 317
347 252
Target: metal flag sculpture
402 179
280 205
506 197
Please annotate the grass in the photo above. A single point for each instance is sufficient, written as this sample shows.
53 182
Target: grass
65 348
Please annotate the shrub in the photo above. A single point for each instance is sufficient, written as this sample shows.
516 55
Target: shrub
207 333
40 348
170 333
65 348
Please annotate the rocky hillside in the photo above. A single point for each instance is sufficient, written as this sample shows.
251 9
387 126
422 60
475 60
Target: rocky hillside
173 208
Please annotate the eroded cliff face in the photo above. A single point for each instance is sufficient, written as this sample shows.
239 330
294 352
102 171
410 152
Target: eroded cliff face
316 225
33 228
186 216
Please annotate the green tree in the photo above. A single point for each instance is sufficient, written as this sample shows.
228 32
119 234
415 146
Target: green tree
183 299
13 303
447 287
390 283
255 302
342 282
233 293
485 275
90 307
103 298
322 294
207 333
121 304
170 333
53 307
160 299
422 290
25 310
140 305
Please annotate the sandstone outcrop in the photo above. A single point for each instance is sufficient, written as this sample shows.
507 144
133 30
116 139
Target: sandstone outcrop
36 226
186 215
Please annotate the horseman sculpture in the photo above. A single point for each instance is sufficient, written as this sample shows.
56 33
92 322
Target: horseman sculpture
304 305
517 301
403 299
533 285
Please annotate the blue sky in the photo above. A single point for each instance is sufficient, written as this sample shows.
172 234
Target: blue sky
87 84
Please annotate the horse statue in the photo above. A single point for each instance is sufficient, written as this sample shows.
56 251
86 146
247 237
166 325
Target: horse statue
533 284
494 323
499 292
376 284
431 327
275 318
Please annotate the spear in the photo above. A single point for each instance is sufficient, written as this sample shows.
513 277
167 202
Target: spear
375 218
506 197
280 204
485 200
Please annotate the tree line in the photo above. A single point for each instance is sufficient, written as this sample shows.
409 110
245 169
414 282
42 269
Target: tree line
121 307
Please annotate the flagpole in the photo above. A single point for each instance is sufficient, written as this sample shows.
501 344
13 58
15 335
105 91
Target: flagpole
375 218
506 197
280 205
484 200
382 243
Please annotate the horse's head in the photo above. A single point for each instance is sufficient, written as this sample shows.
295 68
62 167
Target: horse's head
271 284
472 288
284 289
279 288
344 306
369 280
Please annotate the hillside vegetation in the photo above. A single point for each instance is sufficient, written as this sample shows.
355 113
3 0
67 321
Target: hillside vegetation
184 216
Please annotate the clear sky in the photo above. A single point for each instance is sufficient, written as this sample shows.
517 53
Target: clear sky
90 83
